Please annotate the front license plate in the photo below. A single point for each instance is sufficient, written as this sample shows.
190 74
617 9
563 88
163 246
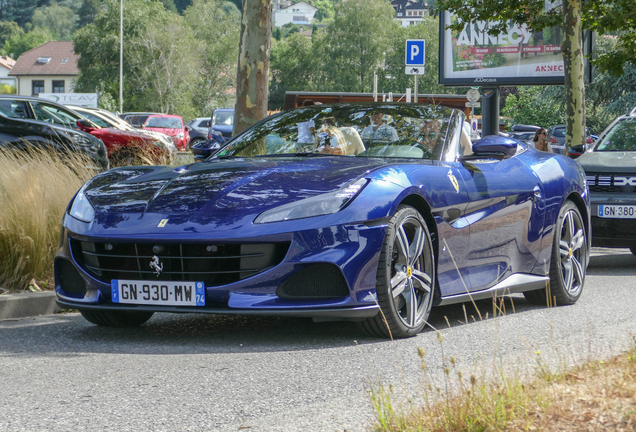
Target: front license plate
617 211
163 293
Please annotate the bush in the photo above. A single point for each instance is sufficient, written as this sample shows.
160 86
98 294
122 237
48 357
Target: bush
35 189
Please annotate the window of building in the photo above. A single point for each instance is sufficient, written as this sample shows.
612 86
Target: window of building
64 60
409 13
37 87
58 86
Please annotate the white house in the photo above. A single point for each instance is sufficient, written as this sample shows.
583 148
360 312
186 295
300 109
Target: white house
49 68
409 12
298 13
6 64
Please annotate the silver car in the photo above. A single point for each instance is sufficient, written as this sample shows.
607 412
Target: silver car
610 169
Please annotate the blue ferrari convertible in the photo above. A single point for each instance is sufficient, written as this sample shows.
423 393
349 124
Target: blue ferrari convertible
368 212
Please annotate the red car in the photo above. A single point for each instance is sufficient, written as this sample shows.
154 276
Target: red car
127 147
172 125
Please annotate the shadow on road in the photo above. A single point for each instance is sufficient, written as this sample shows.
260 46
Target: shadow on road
612 262
165 334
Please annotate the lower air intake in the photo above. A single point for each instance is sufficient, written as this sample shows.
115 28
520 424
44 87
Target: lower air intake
69 278
317 281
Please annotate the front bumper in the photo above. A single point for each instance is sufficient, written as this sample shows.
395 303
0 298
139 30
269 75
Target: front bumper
609 232
352 250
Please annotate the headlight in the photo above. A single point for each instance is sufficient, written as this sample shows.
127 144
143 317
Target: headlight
82 208
324 204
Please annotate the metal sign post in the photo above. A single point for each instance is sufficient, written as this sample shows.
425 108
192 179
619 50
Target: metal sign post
473 96
414 56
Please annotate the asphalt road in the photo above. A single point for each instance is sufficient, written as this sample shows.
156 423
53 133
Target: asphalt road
209 373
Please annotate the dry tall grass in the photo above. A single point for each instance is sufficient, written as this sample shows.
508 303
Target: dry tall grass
35 189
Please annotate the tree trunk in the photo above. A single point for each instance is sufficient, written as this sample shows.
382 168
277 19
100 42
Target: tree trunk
573 57
253 64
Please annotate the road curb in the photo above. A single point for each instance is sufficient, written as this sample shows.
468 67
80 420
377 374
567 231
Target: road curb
27 304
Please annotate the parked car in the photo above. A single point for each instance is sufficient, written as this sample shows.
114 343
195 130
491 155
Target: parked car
204 149
107 119
136 119
171 125
556 138
222 121
610 169
21 134
196 136
201 124
341 224
123 146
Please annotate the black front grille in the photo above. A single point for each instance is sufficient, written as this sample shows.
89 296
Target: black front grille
213 264
612 183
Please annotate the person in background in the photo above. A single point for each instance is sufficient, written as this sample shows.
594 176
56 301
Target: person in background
540 140
430 133
378 130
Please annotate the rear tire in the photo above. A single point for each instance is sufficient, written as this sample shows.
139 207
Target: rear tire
116 318
405 278
568 263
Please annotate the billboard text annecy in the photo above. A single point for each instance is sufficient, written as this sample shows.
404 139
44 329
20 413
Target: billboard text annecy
517 56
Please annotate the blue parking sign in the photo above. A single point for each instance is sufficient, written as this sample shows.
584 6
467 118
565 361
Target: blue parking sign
415 49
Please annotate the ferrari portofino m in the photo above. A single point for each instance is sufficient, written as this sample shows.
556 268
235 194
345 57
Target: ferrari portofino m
368 212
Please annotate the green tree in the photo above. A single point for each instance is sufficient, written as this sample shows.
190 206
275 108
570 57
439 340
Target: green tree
88 11
325 9
59 20
20 43
8 29
19 11
354 44
617 18
216 27
293 65
166 69
98 47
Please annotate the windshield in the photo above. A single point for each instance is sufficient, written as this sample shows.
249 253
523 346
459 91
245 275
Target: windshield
164 122
53 114
225 118
621 137
375 130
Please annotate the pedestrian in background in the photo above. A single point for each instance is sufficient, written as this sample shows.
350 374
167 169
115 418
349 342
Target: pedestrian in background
540 140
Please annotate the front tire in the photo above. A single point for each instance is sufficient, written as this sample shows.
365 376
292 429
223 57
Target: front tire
568 264
116 318
405 279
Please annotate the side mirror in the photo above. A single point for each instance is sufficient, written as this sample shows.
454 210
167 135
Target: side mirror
208 123
86 125
493 147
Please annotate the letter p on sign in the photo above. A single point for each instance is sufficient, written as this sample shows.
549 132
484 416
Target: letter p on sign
415 50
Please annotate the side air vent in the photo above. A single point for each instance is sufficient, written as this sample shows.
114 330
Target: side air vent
316 281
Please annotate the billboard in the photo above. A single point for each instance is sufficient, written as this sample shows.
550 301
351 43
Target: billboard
516 56
88 100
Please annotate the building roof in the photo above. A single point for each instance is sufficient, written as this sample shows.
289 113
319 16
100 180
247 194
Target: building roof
296 4
52 58
6 62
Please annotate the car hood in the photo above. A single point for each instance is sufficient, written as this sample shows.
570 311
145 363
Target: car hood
608 162
237 186
167 131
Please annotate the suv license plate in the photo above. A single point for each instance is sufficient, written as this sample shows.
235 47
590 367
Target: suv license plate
161 293
617 211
